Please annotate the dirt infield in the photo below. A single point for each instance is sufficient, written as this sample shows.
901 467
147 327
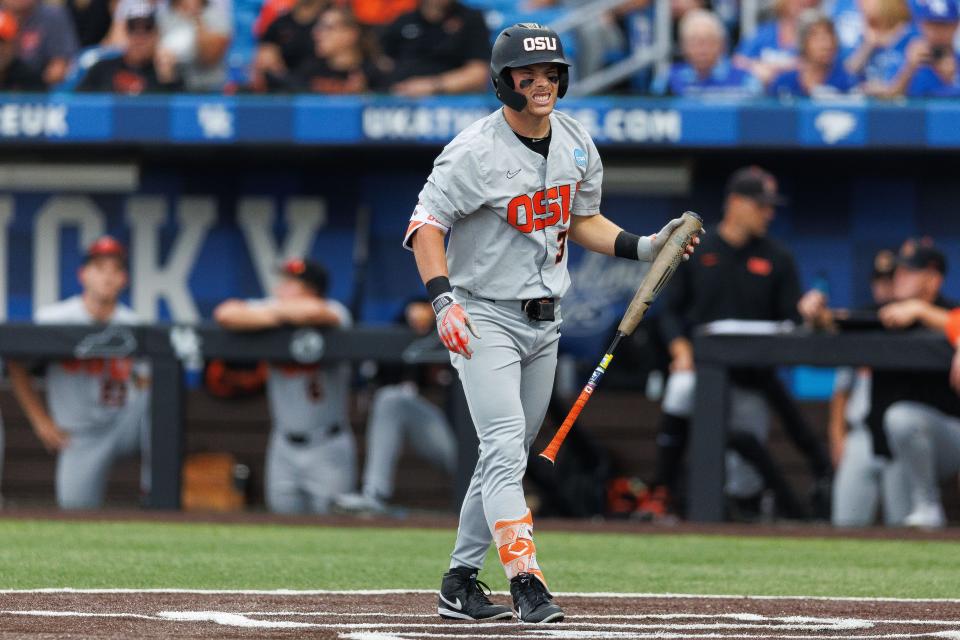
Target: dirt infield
410 616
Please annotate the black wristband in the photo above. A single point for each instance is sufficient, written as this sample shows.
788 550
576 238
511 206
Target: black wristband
625 246
438 286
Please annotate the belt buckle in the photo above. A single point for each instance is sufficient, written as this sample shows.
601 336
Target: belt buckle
542 309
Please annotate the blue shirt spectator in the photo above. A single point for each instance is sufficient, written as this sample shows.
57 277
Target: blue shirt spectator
932 66
882 50
705 71
773 48
792 84
928 82
819 73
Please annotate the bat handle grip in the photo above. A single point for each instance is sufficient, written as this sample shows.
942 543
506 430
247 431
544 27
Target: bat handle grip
550 451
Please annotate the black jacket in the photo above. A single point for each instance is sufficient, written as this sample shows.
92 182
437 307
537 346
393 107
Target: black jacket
755 282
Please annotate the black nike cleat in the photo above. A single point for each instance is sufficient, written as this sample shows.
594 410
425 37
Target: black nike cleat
463 597
532 602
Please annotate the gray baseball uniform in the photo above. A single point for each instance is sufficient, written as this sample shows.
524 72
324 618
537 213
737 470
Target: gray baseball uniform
311 456
97 402
508 211
863 478
399 413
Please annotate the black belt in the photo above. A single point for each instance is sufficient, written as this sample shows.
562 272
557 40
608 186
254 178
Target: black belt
303 439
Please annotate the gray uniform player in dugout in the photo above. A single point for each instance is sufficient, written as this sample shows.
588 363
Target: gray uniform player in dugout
511 190
311 456
96 408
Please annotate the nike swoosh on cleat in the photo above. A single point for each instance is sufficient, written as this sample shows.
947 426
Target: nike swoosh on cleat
455 605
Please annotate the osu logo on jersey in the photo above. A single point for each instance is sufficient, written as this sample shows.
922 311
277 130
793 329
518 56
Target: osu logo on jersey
543 209
540 43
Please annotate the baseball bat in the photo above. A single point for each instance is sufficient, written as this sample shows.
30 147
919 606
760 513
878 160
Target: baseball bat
660 271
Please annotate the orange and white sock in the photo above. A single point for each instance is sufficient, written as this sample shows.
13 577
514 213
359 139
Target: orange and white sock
518 554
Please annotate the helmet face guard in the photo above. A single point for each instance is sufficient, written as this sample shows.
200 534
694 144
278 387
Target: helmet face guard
523 45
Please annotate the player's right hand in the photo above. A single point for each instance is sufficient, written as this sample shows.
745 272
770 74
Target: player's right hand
453 324
53 437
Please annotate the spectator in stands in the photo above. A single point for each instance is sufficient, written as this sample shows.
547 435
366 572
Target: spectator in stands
311 456
343 61
442 47
706 71
400 413
819 72
773 48
932 66
96 407
196 34
117 37
139 70
47 41
921 419
881 51
285 45
91 19
14 74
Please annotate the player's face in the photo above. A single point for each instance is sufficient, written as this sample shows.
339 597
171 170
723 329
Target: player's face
911 284
292 289
103 278
540 84
882 290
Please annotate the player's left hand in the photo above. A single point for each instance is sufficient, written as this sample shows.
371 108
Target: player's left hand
453 324
899 315
650 246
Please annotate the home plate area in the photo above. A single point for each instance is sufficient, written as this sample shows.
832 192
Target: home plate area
393 615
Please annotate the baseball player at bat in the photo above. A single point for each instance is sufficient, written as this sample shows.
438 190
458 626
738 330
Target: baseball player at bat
510 190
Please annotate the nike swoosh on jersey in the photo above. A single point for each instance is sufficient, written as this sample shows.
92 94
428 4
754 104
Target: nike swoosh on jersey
513 174
456 605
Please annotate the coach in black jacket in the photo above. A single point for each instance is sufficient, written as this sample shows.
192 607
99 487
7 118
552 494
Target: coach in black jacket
738 273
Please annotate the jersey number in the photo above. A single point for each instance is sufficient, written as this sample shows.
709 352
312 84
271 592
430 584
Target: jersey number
562 245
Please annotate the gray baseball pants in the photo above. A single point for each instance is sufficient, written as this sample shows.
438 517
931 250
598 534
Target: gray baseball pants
864 480
507 383
748 413
399 413
926 445
83 466
304 478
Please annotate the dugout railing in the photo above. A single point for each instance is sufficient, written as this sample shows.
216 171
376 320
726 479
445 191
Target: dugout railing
172 350
717 355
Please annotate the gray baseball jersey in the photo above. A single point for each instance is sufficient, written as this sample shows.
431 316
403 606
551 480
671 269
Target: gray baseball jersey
91 393
508 208
310 399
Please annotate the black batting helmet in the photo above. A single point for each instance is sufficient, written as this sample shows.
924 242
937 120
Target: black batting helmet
522 45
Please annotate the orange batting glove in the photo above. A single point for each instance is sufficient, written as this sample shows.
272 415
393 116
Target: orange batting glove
452 325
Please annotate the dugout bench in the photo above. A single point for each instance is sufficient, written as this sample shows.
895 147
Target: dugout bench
716 355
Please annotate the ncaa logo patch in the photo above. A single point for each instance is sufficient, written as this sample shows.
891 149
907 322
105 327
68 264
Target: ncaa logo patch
580 158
